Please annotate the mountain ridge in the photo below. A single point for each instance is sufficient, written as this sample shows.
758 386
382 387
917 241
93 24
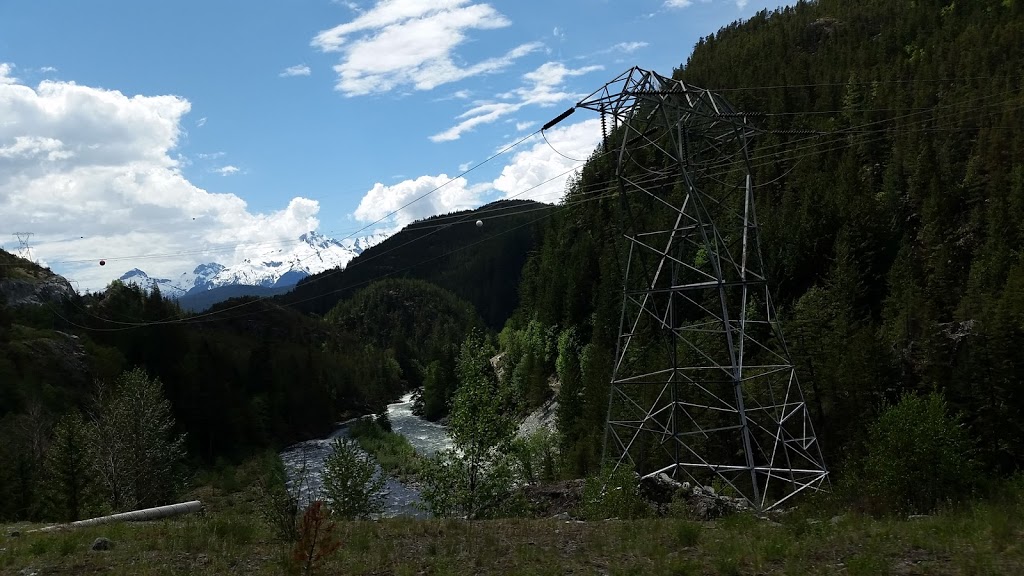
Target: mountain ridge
480 263
274 269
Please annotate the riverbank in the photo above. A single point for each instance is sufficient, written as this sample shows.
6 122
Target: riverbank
392 451
229 537
398 454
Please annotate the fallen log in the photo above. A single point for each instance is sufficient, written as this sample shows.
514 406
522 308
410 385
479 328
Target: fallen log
133 516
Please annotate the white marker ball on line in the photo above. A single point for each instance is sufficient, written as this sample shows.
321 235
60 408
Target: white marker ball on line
479 223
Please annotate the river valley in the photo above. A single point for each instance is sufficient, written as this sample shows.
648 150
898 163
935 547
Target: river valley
304 462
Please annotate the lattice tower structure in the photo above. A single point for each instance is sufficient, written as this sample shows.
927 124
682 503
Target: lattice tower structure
24 248
703 385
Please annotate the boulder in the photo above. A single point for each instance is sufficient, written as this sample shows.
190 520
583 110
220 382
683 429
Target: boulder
661 489
703 502
708 507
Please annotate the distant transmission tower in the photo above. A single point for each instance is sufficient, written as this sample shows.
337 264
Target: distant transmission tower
24 250
703 386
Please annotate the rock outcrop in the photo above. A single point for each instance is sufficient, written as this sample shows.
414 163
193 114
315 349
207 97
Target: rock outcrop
24 283
702 502
18 292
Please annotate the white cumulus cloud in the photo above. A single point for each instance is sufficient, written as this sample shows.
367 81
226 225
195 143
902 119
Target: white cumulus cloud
5 73
741 4
540 172
439 197
35 147
399 43
227 170
628 47
543 86
297 70
101 167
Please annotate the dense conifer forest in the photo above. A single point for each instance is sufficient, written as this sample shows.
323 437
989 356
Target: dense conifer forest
890 197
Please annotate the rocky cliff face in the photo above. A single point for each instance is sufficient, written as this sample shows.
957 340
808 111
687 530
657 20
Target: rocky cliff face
35 293
23 283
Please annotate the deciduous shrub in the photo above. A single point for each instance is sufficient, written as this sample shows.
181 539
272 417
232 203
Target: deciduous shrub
352 483
918 457
613 494
277 503
317 540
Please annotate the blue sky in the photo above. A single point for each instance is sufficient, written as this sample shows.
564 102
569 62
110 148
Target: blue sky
166 134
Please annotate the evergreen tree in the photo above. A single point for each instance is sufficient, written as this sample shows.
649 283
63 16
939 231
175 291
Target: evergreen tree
570 394
70 469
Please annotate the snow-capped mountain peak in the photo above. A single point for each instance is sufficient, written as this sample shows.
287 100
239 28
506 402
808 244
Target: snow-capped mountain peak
201 278
318 240
275 267
364 242
141 279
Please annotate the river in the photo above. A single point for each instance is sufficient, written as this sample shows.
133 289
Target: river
399 499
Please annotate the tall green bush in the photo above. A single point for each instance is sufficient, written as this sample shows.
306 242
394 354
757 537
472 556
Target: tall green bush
138 455
352 483
537 455
278 503
475 480
918 457
614 493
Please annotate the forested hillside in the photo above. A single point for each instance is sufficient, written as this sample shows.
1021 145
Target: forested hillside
252 374
890 195
249 373
478 264
422 324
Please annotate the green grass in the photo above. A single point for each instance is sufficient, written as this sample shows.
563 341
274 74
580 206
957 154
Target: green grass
391 450
226 541
21 333
980 538
687 533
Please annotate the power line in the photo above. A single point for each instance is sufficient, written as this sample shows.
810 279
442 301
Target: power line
440 223
609 189
348 236
856 129
208 317
463 218
447 182
865 83
556 151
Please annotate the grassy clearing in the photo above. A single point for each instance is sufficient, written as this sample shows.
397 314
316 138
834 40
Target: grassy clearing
391 450
973 540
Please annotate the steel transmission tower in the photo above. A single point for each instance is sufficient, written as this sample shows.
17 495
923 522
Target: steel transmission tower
24 250
703 385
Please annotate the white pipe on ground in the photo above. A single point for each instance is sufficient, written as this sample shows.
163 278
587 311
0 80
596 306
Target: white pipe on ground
133 516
